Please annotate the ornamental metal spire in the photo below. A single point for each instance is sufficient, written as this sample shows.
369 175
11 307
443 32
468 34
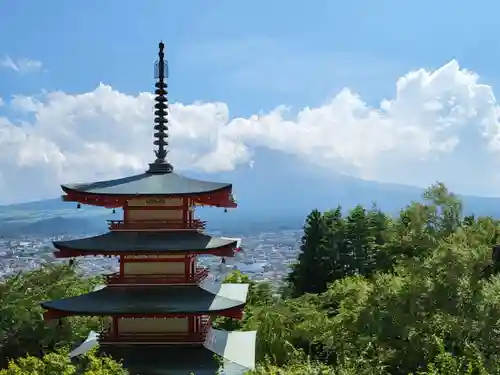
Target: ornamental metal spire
161 165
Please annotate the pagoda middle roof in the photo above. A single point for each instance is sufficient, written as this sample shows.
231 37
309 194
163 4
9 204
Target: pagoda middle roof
156 299
152 184
145 242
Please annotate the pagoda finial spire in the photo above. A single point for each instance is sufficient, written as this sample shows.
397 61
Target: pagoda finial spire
161 165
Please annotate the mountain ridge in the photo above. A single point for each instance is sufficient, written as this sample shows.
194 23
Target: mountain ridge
279 190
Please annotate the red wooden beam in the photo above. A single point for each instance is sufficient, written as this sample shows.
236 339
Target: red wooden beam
133 280
235 313
156 208
155 260
220 198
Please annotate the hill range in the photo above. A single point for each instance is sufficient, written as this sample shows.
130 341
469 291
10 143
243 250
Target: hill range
270 198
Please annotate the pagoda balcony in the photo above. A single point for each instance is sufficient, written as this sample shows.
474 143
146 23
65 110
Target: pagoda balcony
150 337
157 279
194 224
107 336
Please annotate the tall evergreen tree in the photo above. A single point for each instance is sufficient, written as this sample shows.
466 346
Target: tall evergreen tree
310 274
360 242
382 233
336 243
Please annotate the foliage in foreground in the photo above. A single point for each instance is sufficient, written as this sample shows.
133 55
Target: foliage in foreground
58 363
370 294
22 328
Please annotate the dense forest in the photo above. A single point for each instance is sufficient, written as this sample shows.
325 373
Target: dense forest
370 294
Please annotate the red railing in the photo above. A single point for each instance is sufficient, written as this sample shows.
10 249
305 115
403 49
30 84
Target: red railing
205 324
194 224
115 278
107 335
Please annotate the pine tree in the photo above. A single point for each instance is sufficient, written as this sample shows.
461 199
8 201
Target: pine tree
360 243
381 229
309 274
336 243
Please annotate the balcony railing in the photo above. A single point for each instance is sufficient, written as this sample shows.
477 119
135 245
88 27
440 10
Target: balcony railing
107 335
194 224
173 338
157 279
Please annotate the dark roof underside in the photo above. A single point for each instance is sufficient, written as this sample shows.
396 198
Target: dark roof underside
164 360
158 299
148 184
143 242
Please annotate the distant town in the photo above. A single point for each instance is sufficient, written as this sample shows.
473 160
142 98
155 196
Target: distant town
264 257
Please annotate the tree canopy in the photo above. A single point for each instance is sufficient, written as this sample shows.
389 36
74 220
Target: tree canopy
59 363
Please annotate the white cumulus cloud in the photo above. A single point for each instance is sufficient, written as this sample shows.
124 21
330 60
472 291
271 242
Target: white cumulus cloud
21 65
440 124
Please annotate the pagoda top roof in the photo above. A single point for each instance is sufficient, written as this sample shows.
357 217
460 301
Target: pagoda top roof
142 242
156 299
148 184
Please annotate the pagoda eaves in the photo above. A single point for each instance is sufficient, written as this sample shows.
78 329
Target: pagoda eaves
116 193
152 301
137 243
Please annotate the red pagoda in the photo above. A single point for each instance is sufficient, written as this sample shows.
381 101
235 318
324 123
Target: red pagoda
158 308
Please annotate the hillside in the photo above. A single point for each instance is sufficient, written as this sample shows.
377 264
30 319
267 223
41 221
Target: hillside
299 187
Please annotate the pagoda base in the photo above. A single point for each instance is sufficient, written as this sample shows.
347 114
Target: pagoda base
223 352
164 360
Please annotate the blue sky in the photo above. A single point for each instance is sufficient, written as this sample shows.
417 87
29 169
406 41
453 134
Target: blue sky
252 57
229 50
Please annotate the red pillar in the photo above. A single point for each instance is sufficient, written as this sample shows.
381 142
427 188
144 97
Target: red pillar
187 268
191 325
125 212
122 266
185 208
114 329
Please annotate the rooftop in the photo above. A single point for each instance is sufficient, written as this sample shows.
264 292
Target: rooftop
154 184
156 299
143 242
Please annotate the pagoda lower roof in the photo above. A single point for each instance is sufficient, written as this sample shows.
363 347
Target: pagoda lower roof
156 299
152 184
164 360
145 242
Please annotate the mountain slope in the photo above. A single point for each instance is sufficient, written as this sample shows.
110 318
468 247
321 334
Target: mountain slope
278 191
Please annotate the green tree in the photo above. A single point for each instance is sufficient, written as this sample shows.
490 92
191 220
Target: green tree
337 261
445 208
59 363
312 271
360 239
21 317
259 294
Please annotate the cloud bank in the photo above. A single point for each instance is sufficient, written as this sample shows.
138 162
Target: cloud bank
440 124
